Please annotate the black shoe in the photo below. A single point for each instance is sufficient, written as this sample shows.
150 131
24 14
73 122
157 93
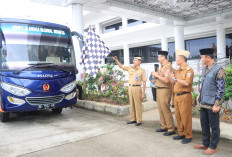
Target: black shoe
138 124
160 130
131 122
178 137
186 140
167 133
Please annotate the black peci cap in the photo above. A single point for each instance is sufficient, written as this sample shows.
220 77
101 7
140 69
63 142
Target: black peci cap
165 53
207 51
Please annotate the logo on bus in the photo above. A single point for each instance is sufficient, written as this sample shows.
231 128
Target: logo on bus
46 87
45 75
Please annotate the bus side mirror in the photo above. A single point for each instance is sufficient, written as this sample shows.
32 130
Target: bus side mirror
76 71
0 41
1 38
80 38
78 35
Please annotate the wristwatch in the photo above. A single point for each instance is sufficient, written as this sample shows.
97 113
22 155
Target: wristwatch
175 79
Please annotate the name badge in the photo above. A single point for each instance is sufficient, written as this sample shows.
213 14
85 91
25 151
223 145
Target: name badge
136 78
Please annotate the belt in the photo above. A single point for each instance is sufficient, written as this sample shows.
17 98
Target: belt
178 94
162 88
134 85
205 106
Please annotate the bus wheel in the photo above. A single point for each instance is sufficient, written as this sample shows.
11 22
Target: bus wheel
5 117
57 110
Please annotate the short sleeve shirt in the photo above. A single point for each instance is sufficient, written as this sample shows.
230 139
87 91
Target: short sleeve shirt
165 71
136 75
184 73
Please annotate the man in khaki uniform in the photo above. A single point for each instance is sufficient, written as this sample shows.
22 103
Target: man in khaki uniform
137 77
164 93
183 86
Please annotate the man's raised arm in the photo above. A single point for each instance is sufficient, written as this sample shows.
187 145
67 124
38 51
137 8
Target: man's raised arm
117 61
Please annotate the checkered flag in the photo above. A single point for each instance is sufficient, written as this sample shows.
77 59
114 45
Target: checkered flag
93 53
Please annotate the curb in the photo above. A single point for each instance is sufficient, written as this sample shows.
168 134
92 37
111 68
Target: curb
149 105
112 109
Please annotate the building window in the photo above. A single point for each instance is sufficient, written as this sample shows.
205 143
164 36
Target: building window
148 53
171 50
132 22
194 45
113 27
118 53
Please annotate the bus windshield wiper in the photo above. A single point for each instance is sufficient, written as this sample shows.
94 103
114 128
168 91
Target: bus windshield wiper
58 68
37 65
42 65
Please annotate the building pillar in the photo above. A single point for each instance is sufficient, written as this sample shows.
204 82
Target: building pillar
126 54
179 35
164 43
124 22
77 16
164 39
77 24
98 28
221 38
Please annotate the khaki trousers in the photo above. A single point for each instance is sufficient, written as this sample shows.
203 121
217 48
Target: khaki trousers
135 95
183 113
163 100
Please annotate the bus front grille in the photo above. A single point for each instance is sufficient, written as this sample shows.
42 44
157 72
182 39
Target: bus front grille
45 100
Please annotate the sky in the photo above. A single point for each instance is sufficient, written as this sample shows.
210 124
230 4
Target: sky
26 9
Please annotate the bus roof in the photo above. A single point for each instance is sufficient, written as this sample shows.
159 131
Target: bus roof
32 22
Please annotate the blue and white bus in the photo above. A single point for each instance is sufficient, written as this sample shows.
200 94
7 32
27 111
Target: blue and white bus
37 67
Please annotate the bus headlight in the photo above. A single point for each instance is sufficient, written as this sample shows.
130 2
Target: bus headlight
69 87
15 100
16 90
70 96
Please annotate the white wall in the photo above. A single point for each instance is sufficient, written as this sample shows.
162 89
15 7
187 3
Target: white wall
151 33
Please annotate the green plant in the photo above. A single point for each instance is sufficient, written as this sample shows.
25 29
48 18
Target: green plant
108 85
228 86
196 110
198 82
194 94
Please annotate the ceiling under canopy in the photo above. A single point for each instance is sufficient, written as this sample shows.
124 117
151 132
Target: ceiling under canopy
185 9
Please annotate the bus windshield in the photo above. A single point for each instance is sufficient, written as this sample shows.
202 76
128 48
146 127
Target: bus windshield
26 44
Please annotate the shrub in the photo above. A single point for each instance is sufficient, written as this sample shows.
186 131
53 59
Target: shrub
108 85
228 85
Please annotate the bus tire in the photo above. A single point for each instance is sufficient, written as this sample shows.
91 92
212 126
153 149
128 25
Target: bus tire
5 117
57 110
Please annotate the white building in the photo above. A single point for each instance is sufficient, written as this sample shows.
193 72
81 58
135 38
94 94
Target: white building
142 27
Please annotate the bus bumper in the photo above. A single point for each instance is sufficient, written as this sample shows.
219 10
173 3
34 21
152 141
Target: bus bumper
15 104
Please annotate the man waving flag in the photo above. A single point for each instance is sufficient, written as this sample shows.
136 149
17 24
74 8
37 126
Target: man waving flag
93 53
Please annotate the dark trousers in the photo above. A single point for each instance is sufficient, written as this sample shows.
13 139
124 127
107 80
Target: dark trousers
209 119
154 93
79 87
